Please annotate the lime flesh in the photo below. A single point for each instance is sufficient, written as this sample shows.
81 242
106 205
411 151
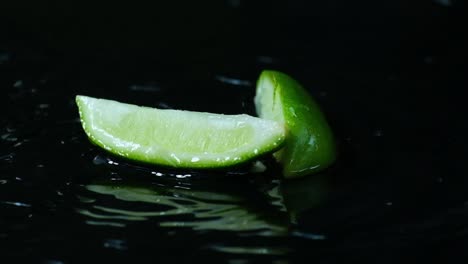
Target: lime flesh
309 145
177 138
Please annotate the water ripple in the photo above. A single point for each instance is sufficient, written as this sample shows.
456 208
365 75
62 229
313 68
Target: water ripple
198 210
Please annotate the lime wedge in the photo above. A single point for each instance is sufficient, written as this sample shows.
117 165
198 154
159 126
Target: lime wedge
309 143
176 138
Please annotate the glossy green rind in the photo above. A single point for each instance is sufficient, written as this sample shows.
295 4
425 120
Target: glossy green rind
176 138
310 145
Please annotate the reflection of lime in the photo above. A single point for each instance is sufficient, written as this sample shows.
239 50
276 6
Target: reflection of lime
177 138
309 144
220 209
304 194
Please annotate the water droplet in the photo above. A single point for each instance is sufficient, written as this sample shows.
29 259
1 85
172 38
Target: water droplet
18 204
258 167
292 111
389 203
3 181
43 106
18 83
308 235
378 133
112 162
195 159
182 187
99 160
157 173
162 105
240 124
266 59
175 157
232 81
9 137
115 244
115 179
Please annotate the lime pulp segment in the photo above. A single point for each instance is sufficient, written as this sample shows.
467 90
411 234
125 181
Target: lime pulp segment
177 138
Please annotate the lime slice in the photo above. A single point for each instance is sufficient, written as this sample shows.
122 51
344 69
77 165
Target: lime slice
176 138
309 143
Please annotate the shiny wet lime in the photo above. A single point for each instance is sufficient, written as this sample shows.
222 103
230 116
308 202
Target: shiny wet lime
310 145
176 138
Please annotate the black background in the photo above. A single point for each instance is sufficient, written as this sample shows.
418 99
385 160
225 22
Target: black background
390 76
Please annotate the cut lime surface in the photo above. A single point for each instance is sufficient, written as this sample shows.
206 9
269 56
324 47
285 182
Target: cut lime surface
176 138
309 144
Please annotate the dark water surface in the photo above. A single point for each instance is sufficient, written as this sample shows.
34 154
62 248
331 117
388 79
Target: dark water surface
393 95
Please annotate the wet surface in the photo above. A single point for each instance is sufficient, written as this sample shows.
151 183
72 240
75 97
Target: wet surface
398 191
